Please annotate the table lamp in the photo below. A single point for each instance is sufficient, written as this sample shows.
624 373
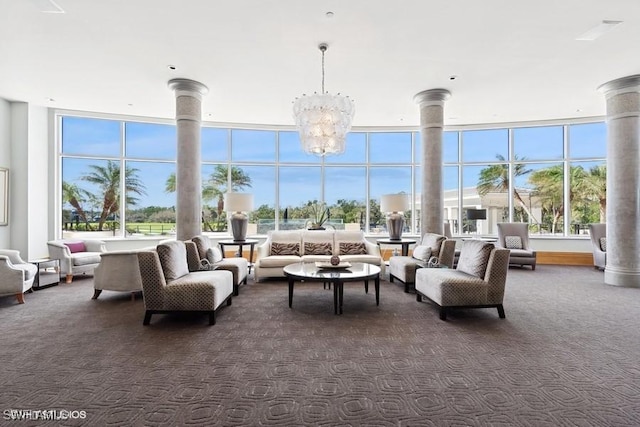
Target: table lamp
238 204
394 205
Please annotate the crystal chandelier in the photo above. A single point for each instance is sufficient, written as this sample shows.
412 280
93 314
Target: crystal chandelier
323 120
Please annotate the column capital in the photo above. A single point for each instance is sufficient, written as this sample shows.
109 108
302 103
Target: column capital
187 87
621 85
432 96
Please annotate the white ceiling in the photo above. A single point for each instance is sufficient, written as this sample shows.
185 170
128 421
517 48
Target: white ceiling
514 60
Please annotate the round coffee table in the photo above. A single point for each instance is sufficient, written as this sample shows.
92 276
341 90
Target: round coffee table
309 272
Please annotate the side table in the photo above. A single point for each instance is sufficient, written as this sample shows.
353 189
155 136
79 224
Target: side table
403 242
48 273
240 243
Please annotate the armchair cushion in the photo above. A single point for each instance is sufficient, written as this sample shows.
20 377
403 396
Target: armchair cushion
352 248
311 248
278 248
474 257
173 258
86 258
513 242
75 247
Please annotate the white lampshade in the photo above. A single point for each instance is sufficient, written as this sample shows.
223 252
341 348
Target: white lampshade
394 203
238 202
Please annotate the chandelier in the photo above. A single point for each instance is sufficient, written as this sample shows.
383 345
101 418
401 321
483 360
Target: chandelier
322 119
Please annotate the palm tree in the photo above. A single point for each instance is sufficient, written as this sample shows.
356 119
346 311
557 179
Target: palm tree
74 195
107 178
596 188
495 178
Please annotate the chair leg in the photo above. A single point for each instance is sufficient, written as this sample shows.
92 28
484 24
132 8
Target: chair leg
236 290
501 311
69 278
229 301
20 298
391 277
418 297
147 318
96 293
443 313
212 316
533 267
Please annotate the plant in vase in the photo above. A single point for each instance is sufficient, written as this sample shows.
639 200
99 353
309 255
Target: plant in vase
319 216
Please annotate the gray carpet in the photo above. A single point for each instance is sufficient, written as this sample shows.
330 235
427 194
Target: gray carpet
566 355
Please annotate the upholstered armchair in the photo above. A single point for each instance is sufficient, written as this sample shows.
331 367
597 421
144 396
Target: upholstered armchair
515 237
169 286
205 251
598 233
117 271
404 268
76 257
16 275
448 235
477 282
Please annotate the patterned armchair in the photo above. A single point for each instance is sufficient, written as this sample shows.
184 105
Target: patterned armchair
404 268
169 286
515 237
477 282
598 233
16 275
239 267
76 257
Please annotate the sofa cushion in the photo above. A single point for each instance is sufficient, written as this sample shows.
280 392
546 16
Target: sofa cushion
85 258
474 257
278 261
285 248
324 248
173 258
603 244
76 247
422 252
513 242
352 248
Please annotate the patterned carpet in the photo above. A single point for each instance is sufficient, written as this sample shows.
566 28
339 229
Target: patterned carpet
566 355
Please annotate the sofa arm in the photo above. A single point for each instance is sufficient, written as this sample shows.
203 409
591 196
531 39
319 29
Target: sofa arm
262 251
11 278
13 255
372 248
95 246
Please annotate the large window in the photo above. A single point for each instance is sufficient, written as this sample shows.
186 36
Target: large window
552 177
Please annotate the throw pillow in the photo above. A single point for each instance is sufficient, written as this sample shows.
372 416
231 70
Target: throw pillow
311 248
474 257
513 242
603 244
76 247
173 258
285 248
353 248
213 255
422 252
433 241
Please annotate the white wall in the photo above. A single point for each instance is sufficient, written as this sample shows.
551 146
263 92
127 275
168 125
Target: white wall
5 162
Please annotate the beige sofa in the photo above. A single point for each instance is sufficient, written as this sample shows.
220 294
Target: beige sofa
287 247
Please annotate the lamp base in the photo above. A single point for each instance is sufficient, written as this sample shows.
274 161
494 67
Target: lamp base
395 224
239 222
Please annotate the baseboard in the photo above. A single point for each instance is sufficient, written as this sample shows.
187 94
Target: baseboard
565 258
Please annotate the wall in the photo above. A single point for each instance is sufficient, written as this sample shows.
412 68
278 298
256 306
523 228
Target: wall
5 161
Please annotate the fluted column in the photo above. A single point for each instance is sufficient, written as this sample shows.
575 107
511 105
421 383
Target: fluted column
188 180
431 135
623 181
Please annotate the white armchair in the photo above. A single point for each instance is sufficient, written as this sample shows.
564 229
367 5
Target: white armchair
76 257
16 275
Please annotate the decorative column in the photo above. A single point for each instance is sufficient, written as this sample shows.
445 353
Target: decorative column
188 180
623 181
431 134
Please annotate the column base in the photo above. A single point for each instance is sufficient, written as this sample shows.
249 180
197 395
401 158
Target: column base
618 277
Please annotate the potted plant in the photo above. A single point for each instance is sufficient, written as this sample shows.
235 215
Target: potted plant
319 215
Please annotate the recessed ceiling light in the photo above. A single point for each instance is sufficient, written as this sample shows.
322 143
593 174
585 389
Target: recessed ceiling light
453 77
599 30
171 67
329 14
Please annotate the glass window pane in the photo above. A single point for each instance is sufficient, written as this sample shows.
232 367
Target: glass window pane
151 141
299 186
151 212
291 149
253 145
485 145
417 148
262 180
588 140
214 144
450 180
388 147
387 180
588 184
539 197
345 192
355 151
95 137
450 147
538 143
